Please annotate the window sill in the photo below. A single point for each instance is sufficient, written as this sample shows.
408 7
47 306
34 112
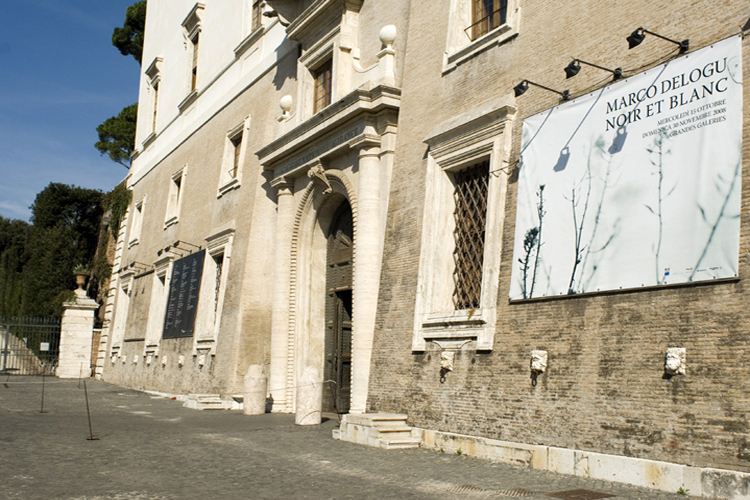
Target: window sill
451 330
148 140
152 347
464 317
187 101
171 221
249 41
228 186
205 346
498 36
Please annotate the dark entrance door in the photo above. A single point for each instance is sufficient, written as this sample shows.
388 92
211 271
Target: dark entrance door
338 339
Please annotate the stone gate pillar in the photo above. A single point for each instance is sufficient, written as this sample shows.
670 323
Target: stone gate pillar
76 336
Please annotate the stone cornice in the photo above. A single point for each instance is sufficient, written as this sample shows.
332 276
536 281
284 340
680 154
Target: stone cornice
81 304
318 7
470 121
154 68
353 108
192 20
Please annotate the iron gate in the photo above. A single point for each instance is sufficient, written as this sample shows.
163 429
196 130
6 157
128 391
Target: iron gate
29 346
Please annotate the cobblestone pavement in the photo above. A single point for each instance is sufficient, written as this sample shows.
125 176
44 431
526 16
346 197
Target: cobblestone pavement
152 447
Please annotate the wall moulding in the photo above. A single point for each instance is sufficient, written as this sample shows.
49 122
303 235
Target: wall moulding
360 118
307 19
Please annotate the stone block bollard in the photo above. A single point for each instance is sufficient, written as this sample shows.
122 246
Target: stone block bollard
309 398
255 391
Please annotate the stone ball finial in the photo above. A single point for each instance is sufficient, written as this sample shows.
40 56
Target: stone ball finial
388 35
285 103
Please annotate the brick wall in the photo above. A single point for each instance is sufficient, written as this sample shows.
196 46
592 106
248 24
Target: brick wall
604 389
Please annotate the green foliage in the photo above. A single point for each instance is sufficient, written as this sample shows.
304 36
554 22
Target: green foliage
117 202
101 269
81 269
37 261
117 135
459 452
129 38
64 233
72 208
58 300
682 491
14 235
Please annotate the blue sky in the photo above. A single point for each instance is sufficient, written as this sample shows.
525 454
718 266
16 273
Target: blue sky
60 77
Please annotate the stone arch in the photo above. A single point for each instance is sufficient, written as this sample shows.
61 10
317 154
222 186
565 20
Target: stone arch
313 215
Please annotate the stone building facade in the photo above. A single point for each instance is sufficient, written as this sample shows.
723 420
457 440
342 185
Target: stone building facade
344 177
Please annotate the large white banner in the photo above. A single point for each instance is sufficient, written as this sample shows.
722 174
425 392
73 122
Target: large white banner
635 185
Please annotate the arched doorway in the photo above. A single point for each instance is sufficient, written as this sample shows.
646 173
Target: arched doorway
338 319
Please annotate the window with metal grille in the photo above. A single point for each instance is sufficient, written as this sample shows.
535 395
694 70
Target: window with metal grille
322 76
486 16
256 15
470 217
194 70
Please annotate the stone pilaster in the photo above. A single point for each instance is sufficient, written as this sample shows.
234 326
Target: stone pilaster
367 261
280 341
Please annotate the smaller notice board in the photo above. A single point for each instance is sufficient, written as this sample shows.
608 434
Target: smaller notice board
182 302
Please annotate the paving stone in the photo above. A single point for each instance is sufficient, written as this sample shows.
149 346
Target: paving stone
151 447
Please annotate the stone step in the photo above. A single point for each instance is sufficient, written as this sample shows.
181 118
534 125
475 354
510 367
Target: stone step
404 433
401 428
207 402
387 417
400 444
383 430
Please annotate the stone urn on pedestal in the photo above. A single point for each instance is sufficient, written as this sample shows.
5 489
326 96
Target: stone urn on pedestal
81 272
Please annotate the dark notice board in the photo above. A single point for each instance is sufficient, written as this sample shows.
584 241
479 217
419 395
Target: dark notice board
182 302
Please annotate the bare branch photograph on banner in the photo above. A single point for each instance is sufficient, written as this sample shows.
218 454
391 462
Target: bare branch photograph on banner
636 184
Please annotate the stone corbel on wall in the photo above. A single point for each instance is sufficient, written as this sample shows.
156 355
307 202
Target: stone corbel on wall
317 172
448 349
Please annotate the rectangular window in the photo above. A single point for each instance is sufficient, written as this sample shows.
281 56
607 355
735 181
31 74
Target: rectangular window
470 218
219 265
175 198
153 73
158 306
177 189
192 29
194 70
215 278
230 175
459 262
257 13
122 307
135 228
237 146
322 75
155 86
486 16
